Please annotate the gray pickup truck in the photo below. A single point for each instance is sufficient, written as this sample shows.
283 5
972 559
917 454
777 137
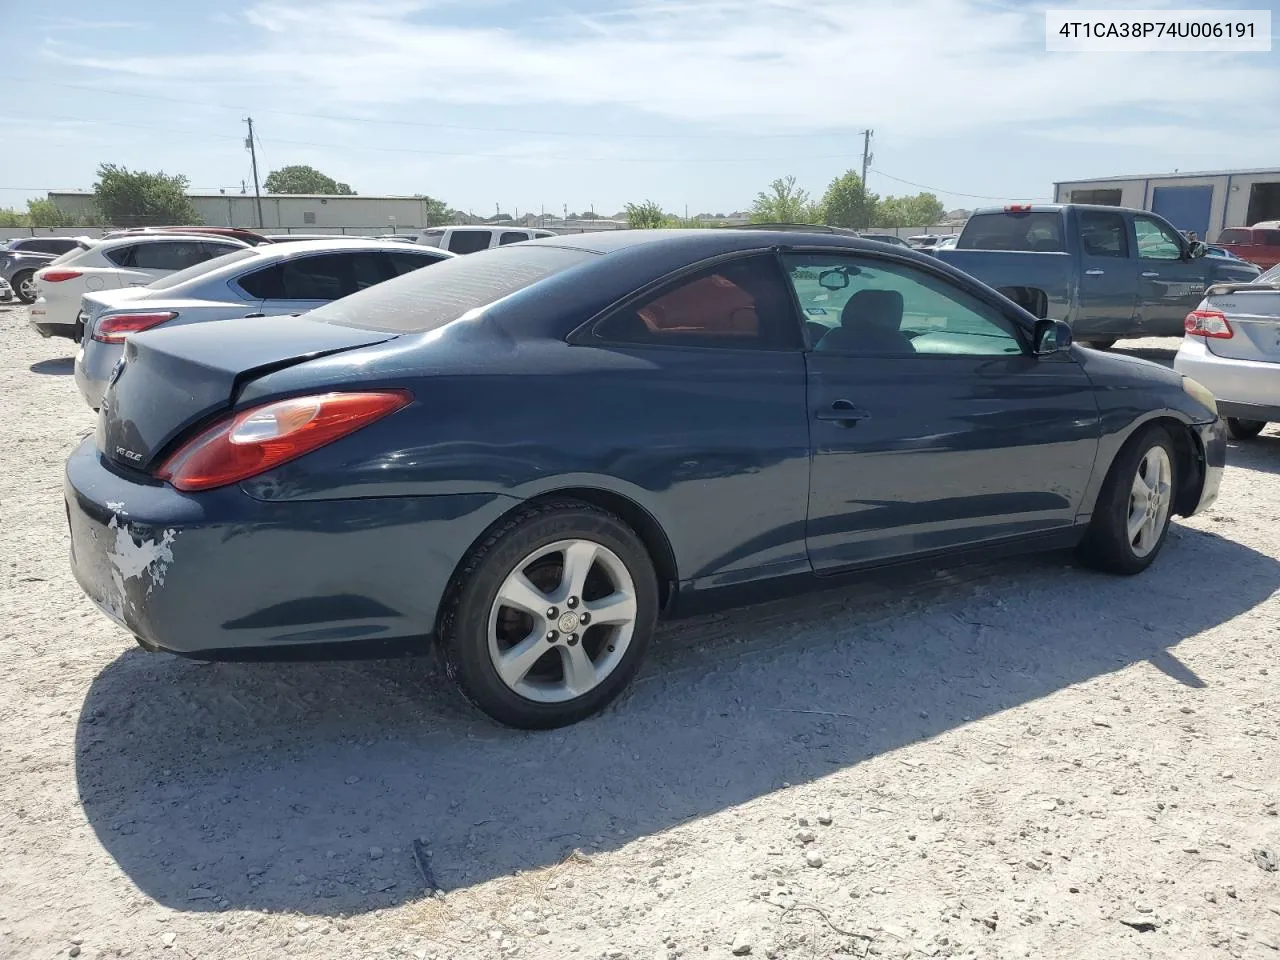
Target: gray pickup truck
1109 272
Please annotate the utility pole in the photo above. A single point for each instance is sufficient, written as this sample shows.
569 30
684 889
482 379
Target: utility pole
866 162
253 155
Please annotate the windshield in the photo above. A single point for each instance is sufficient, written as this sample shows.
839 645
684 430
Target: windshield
427 299
199 269
1038 232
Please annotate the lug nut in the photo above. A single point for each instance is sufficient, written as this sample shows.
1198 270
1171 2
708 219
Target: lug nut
552 611
572 602
551 637
573 639
584 619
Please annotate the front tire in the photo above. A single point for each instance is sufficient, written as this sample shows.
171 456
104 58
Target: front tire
1131 518
550 616
24 285
1244 429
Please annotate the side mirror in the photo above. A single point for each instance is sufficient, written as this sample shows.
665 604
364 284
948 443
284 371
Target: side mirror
1052 336
833 279
1198 249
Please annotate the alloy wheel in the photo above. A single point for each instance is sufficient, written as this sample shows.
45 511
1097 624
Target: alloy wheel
1149 500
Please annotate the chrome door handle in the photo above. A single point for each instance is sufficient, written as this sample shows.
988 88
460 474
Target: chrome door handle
1150 273
1094 273
842 413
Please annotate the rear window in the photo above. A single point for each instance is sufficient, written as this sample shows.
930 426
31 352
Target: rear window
1270 238
200 269
469 241
1036 232
1234 236
428 299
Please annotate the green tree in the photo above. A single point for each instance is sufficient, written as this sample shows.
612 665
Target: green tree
12 218
646 216
45 213
784 202
846 203
436 213
922 210
300 178
127 198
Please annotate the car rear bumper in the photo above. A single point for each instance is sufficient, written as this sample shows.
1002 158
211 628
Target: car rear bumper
221 575
42 325
1232 382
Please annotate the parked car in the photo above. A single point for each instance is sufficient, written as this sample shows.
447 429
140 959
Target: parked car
127 261
298 237
471 239
946 242
1108 272
6 292
1211 250
263 281
1232 346
747 412
1259 244
886 238
21 257
924 241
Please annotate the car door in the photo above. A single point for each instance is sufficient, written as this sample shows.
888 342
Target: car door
304 282
933 425
1170 284
1108 295
713 433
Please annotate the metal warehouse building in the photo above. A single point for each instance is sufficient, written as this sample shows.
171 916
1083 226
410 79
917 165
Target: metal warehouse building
292 210
1204 202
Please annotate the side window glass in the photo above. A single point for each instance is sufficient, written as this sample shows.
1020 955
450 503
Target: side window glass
367 270
402 263
469 241
869 307
326 277
122 256
511 236
740 304
1103 235
1155 240
264 284
169 255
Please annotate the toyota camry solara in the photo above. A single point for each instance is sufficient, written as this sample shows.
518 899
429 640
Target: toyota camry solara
527 456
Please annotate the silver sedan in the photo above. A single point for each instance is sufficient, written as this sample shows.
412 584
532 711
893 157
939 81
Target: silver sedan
1232 346
269 280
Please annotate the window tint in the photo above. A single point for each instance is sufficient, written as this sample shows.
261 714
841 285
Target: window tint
1155 240
871 307
1270 238
1234 236
1103 234
161 255
542 233
235 255
121 256
1104 198
1039 232
422 301
511 236
432 237
402 263
327 276
740 303
469 241
46 245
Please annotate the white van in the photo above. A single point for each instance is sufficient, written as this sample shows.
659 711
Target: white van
474 239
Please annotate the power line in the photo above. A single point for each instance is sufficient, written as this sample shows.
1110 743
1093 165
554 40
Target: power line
954 193
346 118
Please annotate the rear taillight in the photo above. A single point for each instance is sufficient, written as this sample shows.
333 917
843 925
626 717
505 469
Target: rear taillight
1208 323
265 437
57 276
119 327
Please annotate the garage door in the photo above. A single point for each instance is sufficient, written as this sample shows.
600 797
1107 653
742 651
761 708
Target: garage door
1187 208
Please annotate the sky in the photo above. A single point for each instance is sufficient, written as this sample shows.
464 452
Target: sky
532 105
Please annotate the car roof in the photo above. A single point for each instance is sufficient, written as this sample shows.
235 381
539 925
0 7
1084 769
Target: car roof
467 227
110 243
703 243
344 243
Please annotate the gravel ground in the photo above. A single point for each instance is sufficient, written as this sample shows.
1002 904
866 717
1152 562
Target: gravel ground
1012 760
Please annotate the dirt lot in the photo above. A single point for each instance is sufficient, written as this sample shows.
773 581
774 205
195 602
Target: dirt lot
1018 760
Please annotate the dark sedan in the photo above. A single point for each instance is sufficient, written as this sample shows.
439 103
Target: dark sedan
529 455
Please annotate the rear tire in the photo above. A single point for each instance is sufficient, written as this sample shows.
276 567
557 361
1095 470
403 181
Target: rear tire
24 285
1244 429
516 631
1131 518
1099 344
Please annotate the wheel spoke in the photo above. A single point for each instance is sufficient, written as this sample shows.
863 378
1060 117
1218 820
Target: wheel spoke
1137 520
615 608
1141 490
579 671
579 558
518 592
514 664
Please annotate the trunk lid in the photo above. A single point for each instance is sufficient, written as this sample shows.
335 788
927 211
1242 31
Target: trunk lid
1253 310
171 379
93 305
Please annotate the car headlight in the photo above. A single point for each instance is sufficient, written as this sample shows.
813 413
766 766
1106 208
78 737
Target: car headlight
1200 393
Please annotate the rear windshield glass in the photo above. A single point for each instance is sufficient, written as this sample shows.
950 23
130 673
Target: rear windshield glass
1270 238
428 299
1039 232
182 276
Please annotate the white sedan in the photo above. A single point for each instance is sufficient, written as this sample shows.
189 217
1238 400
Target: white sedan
1232 346
129 261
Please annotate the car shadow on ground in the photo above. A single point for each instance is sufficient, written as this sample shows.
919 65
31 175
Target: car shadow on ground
302 786
59 367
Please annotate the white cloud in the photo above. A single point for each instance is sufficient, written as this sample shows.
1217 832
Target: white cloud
927 68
